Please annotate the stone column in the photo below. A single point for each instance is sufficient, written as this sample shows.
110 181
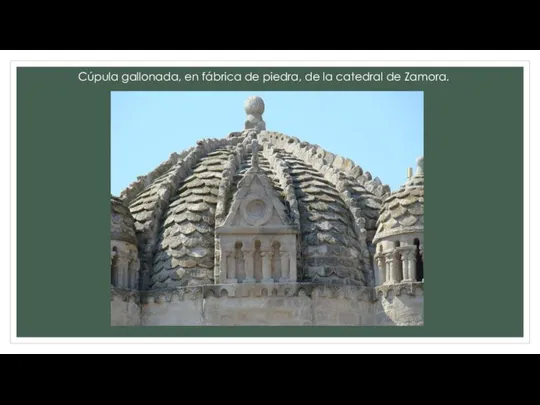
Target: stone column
412 264
248 265
126 277
284 256
396 275
381 264
230 271
404 265
266 267
389 259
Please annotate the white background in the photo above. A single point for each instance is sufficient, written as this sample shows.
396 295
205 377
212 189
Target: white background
479 58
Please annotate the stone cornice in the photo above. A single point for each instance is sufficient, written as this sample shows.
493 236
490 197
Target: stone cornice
397 289
398 231
311 290
259 290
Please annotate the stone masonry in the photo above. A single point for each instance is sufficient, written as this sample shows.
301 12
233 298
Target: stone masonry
260 228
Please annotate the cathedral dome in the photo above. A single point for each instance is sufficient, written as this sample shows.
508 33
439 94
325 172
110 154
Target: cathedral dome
403 211
330 202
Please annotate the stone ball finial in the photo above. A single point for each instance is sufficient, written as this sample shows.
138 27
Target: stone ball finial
254 105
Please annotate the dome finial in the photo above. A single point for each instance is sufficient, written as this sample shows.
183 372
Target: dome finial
254 108
420 166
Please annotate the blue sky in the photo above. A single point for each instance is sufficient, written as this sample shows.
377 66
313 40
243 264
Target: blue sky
382 132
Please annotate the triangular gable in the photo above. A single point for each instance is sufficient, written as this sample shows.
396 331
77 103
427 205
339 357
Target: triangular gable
255 203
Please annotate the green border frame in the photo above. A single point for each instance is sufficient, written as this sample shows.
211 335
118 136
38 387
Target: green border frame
474 229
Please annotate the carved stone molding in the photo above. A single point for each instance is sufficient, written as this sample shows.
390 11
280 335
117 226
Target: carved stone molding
256 290
397 289
310 290
125 294
259 290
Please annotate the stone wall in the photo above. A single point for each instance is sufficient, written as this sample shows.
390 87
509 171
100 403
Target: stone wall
125 308
294 304
400 304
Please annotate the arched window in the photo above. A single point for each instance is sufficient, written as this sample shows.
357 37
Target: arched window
114 267
419 261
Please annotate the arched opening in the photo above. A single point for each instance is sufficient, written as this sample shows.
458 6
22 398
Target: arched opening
114 267
257 270
239 264
419 261
276 261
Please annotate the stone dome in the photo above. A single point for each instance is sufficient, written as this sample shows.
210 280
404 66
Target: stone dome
403 210
331 201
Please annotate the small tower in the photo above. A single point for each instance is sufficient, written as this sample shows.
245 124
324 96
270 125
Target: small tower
400 232
124 252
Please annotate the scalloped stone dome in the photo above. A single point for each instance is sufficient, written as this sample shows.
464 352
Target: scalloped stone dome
403 211
332 204
261 228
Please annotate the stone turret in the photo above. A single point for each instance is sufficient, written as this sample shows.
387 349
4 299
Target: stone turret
124 252
400 232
